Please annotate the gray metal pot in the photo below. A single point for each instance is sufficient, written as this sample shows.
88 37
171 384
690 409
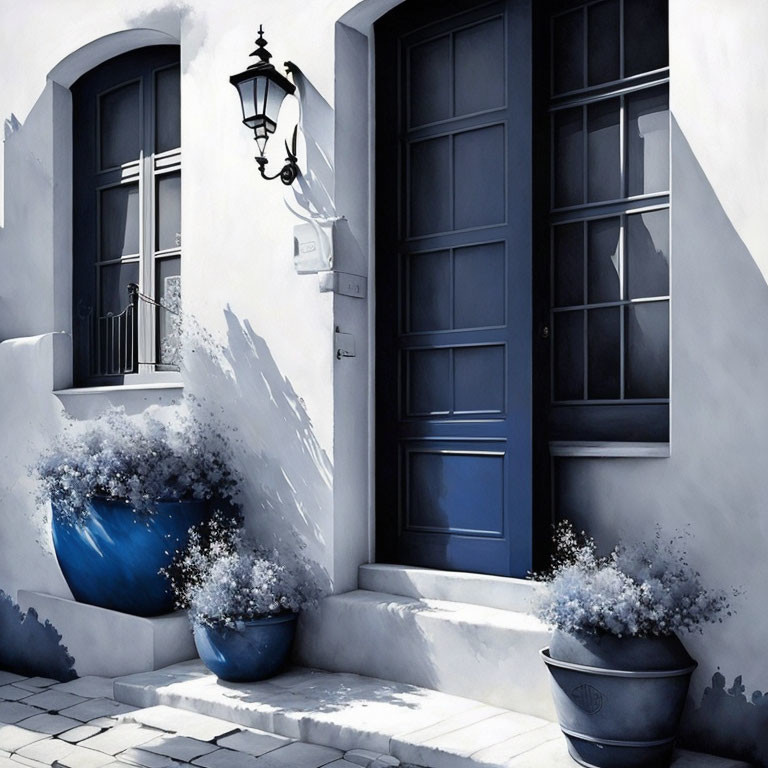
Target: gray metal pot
619 700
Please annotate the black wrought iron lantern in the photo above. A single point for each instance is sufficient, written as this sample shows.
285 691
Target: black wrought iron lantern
262 90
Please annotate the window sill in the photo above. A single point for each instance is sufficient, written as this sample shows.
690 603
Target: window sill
609 449
75 391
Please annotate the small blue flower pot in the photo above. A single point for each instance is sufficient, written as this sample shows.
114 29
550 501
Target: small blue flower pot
111 558
255 650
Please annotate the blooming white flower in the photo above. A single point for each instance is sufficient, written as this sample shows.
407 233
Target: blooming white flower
223 577
641 590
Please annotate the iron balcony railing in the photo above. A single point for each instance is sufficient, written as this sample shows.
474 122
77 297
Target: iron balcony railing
113 339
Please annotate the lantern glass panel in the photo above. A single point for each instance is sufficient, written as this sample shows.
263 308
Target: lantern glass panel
262 134
246 89
275 96
260 86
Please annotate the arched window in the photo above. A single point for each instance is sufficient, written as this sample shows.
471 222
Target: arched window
127 217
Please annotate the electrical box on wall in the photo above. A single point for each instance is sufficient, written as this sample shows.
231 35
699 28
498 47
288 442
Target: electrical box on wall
313 247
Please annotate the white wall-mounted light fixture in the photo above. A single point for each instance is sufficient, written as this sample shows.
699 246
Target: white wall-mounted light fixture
262 90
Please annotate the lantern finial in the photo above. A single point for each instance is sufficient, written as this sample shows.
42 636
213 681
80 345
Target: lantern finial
261 50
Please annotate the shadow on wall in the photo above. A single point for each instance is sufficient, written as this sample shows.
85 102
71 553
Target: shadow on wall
287 477
715 479
315 194
29 647
727 724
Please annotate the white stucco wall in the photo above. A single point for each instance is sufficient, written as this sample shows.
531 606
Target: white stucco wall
265 360
277 328
715 482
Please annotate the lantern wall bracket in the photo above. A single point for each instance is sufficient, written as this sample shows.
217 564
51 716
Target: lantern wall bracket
290 171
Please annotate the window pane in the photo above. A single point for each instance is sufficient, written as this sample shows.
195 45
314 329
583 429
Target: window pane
479 67
603 264
647 262
168 211
429 291
568 51
114 286
119 125
168 292
647 366
604 177
569 158
569 264
603 48
648 141
646 35
604 351
429 83
167 110
119 222
569 355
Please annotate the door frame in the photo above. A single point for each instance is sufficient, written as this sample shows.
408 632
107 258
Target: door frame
541 481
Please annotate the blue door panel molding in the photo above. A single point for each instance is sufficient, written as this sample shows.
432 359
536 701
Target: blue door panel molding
454 286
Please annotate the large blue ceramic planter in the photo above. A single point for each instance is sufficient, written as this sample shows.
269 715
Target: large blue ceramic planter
112 557
256 650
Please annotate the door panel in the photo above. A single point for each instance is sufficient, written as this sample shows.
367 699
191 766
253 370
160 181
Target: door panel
453 286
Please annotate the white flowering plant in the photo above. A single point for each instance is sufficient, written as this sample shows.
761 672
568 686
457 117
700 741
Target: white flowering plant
136 460
223 578
639 590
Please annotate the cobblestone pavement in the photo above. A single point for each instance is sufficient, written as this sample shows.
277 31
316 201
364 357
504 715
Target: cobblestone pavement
78 724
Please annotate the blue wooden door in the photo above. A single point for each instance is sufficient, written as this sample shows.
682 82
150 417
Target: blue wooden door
453 286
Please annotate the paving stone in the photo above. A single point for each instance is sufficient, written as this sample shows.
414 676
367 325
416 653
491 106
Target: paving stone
13 711
253 742
226 758
138 756
12 737
13 693
50 724
299 755
182 722
104 722
29 762
180 747
362 757
37 682
6 678
93 708
46 750
385 761
90 686
80 733
120 738
80 757
6 762
342 764
54 701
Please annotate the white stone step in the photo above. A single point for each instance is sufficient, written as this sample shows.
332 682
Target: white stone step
109 643
344 711
475 651
475 588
